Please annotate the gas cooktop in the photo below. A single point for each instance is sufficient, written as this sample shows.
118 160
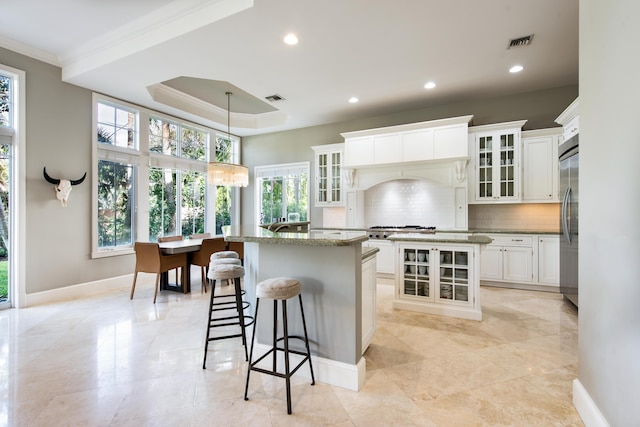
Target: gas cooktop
384 231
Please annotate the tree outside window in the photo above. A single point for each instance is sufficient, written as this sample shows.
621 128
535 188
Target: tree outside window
283 190
115 204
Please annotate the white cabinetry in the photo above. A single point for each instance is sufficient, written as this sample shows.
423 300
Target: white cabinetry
368 300
508 258
328 169
432 140
386 149
549 260
438 279
570 120
540 165
355 208
496 162
358 151
386 260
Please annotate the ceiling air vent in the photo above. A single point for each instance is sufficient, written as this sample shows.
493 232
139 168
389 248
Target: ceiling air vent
520 41
274 98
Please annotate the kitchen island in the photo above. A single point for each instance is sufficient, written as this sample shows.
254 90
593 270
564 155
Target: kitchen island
439 274
338 293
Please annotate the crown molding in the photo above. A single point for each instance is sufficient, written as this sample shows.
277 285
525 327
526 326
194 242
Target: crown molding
29 51
174 98
173 20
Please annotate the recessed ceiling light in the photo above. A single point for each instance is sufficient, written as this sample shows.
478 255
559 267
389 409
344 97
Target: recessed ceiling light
353 100
429 85
516 69
291 39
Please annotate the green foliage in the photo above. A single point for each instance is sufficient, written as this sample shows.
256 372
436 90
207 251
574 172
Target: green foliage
283 195
4 280
193 202
115 203
5 105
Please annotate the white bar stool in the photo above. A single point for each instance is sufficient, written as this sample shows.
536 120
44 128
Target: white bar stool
280 289
219 272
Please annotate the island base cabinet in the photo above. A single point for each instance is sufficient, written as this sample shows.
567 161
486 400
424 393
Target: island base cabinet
369 296
438 280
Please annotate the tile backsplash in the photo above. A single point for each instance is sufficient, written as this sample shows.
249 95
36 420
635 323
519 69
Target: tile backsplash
410 202
427 203
524 217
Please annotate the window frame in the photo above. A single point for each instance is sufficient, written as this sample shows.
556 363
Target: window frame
144 160
283 169
17 133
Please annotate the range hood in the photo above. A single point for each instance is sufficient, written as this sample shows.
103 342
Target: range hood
452 173
437 150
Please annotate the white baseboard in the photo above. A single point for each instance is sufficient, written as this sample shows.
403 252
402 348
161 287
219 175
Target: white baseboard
327 371
586 407
80 290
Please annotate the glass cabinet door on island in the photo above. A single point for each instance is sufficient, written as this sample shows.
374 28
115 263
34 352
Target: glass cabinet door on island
416 275
423 268
454 275
438 279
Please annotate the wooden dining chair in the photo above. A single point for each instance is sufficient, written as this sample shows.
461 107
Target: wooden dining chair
149 259
200 236
203 256
171 239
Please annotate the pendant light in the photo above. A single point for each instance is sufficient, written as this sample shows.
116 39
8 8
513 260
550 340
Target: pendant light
228 174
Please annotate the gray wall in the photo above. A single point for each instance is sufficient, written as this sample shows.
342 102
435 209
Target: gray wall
609 321
58 136
539 108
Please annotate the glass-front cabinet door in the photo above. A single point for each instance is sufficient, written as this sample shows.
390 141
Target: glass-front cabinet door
454 276
485 167
438 278
497 159
507 166
328 171
417 273
438 274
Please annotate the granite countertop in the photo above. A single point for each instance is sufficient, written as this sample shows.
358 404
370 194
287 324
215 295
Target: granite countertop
368 252
255 233
418 237
487 231
470 231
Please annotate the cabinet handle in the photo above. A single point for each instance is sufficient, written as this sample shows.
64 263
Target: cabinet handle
516 240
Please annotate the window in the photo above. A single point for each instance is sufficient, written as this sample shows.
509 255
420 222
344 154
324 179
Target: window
6 112
117 126
283 189
176 202
225 154
117 162
115 204
152 179
174 139
12 189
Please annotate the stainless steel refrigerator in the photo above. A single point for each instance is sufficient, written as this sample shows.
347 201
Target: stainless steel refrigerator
569 158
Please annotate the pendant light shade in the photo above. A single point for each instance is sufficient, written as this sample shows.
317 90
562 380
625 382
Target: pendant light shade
228 174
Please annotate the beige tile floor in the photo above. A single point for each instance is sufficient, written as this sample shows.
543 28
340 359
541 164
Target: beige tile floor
109 361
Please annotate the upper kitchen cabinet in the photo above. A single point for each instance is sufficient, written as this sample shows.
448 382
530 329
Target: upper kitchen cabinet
570 120
328 170
496 162
540 165
433 140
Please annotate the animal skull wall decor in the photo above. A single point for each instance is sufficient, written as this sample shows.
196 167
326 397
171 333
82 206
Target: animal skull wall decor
63 186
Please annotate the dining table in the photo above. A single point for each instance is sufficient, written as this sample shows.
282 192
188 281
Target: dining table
188 246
